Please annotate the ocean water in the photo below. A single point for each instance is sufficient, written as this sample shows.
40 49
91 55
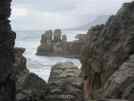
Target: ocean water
41 65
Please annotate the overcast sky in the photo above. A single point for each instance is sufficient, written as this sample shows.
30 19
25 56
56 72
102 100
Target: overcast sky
45 14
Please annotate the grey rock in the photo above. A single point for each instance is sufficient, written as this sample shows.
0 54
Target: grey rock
65 83
56 44
57 35
29 87
123 80
106 56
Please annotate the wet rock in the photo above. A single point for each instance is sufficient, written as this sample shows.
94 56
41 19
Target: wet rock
65 83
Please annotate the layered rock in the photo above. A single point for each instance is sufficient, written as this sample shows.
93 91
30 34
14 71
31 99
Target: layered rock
7 37
123 80
56 44
64 83
51 43
57 35
29 87
106 57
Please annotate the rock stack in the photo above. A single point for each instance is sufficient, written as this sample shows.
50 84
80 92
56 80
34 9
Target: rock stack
57 35
107 59
56 44
64 83
51 43
7 37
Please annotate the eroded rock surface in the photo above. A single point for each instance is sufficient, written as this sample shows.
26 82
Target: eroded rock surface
65 83
29 87
121 83
106 58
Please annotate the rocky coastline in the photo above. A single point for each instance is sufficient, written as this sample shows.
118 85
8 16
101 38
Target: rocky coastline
64 82
107 59
102 62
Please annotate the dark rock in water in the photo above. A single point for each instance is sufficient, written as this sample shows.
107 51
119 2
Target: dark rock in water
29 86
7 37
106 57
55 44
64 83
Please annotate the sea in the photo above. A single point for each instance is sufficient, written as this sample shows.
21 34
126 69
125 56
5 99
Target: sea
41 65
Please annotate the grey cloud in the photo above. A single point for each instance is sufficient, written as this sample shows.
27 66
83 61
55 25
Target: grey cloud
48 5
62 13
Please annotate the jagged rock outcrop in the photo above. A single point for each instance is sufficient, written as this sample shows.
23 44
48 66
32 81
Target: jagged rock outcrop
64 83
7 37
106 58
55 44
123 80
29 87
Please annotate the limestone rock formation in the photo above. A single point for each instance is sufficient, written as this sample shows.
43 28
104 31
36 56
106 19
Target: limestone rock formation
29 87
47 37
50 42
7 37
73 49
46 43
64 83
123 80
56 44
57 35
64 38
106 57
